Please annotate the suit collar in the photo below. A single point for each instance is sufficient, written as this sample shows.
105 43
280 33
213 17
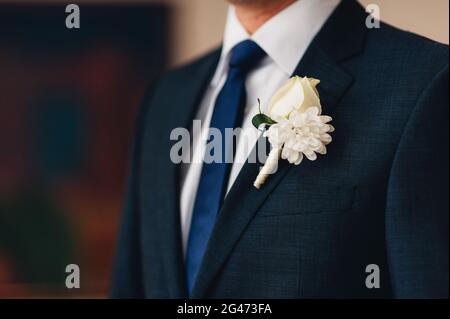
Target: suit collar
343 35
341 38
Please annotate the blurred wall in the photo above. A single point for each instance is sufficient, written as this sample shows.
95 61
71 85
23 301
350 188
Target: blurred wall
68 100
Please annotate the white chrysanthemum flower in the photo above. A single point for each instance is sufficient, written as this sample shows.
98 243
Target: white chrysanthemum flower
300 130
302 134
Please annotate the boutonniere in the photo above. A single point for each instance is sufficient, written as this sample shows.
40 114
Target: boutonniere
294 125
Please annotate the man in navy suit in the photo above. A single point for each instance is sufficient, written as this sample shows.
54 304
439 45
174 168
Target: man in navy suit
377 201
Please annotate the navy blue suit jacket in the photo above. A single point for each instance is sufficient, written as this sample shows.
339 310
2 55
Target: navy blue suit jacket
380 195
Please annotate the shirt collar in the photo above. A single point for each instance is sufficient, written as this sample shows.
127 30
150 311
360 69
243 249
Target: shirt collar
284 38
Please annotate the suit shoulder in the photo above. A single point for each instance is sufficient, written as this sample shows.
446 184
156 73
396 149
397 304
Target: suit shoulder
186 71
408 49
176 80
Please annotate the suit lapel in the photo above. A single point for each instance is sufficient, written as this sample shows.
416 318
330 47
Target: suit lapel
165 174
243 201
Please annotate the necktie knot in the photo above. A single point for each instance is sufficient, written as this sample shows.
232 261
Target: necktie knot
246 55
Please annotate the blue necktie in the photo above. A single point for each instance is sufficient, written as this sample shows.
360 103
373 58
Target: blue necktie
228 111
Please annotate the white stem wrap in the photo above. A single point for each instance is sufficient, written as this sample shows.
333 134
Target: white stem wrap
269 167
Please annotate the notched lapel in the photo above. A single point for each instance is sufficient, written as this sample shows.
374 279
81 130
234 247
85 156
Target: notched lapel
334 81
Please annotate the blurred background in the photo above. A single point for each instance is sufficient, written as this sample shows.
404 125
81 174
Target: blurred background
68 99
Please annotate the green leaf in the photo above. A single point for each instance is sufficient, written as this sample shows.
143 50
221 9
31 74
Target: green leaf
260 119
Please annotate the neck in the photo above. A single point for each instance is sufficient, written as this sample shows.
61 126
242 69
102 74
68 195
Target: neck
253 15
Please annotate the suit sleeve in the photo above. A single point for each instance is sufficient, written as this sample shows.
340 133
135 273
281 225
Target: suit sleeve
127 281
417 199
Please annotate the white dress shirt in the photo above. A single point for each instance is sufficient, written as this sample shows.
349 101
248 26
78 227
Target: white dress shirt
284 38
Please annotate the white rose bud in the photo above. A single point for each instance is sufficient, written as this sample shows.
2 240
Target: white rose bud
297 94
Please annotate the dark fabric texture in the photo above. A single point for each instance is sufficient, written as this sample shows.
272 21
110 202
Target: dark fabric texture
380 195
